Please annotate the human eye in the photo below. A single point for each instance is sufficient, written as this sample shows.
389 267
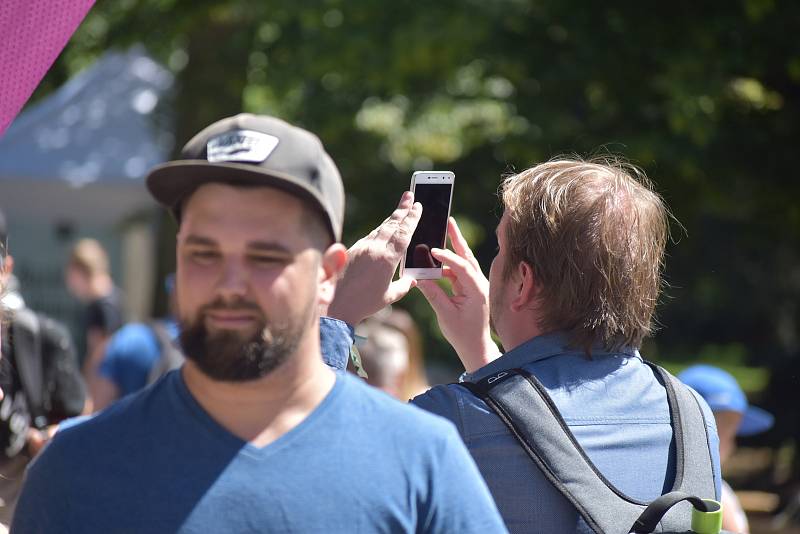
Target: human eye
203 256
267 260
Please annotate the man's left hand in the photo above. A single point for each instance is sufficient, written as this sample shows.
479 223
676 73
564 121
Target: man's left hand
366 285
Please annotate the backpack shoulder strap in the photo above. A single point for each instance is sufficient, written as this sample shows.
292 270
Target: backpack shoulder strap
525 407
523 404
170 357
695 474
26 334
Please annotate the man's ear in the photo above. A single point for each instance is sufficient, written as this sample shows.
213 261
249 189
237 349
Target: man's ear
525 288
332 265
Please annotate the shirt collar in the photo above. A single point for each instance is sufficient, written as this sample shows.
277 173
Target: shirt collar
537 349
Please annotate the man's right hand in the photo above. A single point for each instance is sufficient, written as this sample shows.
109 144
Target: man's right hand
463 316
366 285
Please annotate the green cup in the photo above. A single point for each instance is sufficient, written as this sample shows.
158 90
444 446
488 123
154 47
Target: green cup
707 522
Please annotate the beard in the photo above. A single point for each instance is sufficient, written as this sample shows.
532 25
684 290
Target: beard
232 356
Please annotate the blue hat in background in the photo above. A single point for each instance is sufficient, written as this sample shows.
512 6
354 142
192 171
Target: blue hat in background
722 393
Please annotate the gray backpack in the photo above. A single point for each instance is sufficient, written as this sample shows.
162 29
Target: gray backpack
524 406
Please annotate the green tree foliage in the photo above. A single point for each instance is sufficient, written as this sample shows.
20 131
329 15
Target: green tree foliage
703 96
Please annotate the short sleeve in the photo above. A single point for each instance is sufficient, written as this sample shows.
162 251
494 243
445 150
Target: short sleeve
336 339
94 316
129 357
42 505
104 314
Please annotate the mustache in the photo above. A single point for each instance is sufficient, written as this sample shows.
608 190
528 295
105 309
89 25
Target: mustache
239 304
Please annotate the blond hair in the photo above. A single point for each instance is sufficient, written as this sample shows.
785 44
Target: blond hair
89 257
394 328
594 234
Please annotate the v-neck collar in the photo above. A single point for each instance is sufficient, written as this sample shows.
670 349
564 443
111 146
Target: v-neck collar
227 438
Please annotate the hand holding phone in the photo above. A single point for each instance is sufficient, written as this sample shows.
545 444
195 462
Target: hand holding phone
367 283
463 314
434 190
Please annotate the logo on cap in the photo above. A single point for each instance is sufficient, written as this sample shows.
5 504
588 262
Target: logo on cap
241 145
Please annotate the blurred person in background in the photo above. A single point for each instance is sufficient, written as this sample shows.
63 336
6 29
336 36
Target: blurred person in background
3 247
138 354
416 378
88 279
391 353
41 380
735 417
3 278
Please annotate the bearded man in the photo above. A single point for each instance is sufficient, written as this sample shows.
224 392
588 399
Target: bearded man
255 433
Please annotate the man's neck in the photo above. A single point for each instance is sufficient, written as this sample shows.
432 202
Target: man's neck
517 330
260 411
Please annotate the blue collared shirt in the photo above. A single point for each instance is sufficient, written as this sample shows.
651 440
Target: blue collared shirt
336 338
612 403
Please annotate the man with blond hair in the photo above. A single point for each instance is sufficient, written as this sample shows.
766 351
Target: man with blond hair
571 295
88 279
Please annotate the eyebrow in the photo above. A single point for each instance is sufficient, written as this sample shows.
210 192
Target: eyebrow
197 240
269 246
259 246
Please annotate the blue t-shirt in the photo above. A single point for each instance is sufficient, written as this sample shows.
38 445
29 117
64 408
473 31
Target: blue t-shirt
131 354
157 462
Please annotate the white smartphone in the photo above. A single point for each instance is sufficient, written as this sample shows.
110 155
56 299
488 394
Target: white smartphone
434 190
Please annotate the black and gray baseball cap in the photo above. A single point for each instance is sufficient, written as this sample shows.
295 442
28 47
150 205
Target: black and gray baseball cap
254 150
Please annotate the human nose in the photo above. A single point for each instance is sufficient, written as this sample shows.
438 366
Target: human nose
233 282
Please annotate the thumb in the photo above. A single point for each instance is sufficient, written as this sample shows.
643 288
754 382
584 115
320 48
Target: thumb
435 295
399 289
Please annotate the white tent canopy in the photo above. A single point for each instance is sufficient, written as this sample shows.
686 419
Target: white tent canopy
88 144
73 165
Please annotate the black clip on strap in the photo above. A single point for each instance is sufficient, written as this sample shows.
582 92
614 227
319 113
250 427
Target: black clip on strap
651 516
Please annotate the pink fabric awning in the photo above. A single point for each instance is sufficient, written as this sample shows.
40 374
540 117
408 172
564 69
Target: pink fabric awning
32 34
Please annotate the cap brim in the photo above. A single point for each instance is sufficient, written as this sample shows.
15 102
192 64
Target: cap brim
755 421
171 183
